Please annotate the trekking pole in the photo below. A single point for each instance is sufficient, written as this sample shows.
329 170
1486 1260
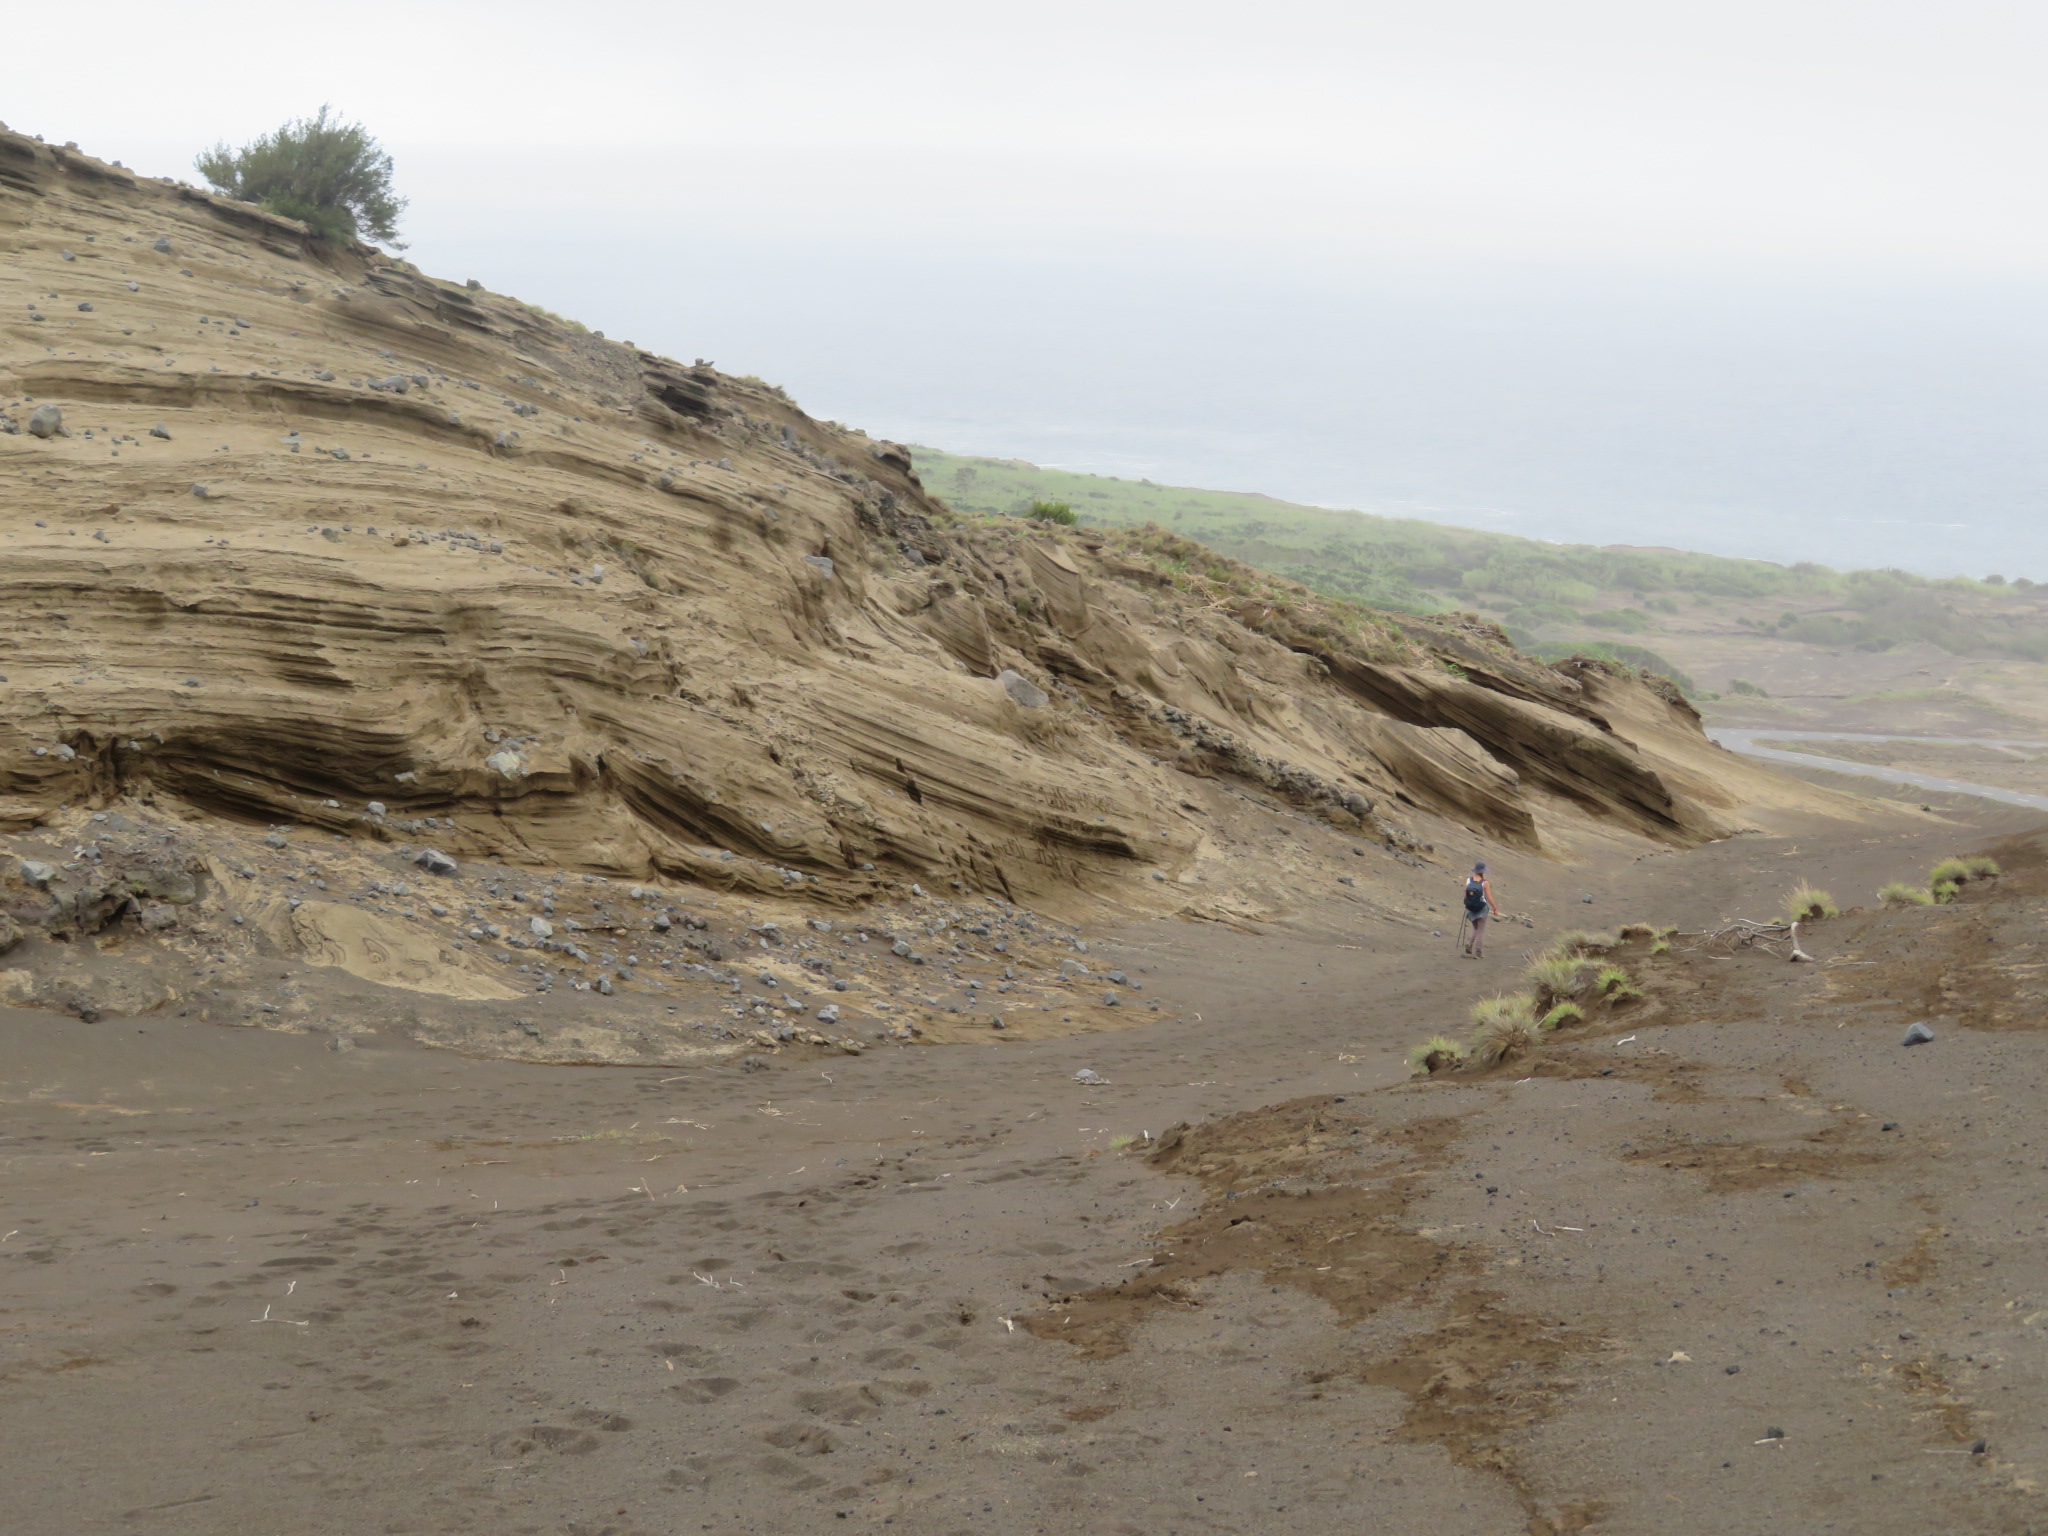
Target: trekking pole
1463 924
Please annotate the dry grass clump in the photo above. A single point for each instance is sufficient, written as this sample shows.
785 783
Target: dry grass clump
1502 1040
1583 941
1900 894
1516 1006
1556 977
1959 871
1638 931
1561 1015
1506 1029
1943 891
1661 947
1807 902
1439 1053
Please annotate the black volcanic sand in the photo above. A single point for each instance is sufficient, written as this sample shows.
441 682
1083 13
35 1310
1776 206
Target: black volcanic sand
1727 1259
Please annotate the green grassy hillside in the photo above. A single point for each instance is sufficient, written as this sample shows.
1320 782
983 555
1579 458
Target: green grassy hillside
1553 598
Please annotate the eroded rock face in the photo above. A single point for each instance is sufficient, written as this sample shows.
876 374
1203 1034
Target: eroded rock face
666 624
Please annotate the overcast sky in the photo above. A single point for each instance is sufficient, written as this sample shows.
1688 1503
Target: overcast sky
1823 218
1870 131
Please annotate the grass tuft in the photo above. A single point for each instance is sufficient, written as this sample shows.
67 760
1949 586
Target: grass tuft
1613 983
1439 1053
1943 891
1958 871
1561 1015
1500 1039
1555 979
1661 947
1900 894
1806 902
1637 931
1518 1007
1582 941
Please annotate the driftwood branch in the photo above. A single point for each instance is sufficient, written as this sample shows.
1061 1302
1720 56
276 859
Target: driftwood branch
1779 937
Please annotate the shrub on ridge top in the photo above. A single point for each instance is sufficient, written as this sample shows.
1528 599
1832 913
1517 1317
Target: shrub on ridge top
1900 894
330 175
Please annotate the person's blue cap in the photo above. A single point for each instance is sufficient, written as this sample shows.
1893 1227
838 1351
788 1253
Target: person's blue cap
1478 869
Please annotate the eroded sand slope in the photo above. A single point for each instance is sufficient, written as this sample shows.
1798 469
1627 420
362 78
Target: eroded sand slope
544 595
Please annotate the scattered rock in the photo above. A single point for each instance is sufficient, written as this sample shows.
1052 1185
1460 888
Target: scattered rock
163 245
46 421
1021 689
160 431
435 862
540 927
37 873
274 840
1918 1034
821 563
829 1014
604 985
10 933
1089 1075
375 807
506 764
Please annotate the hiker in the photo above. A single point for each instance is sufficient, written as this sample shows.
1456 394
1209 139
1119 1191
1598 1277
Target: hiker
1479 908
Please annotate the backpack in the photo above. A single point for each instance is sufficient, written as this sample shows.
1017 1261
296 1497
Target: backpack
1475 896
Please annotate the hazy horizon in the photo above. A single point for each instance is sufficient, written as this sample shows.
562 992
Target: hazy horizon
1751 279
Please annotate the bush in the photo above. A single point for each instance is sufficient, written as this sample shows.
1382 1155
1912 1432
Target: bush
1943 891
1745 686
1561 1015
1806 902
1631 621
1051 512
329 175
1900 894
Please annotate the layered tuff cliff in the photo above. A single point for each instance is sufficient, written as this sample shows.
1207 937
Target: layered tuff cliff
290 536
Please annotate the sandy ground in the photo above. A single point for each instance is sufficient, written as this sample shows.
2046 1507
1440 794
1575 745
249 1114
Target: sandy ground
1727 1259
